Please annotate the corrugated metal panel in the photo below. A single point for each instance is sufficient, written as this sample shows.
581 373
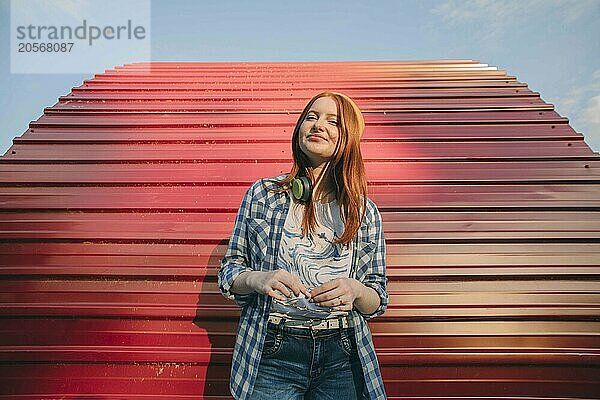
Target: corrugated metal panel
117 204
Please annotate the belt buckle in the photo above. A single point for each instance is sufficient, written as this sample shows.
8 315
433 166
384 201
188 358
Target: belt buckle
276 320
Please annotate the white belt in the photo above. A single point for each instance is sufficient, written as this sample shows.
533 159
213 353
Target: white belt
319 324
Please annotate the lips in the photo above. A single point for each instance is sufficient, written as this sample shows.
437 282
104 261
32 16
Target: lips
315 137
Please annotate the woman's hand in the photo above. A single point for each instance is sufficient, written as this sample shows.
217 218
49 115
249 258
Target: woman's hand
277 284
339 293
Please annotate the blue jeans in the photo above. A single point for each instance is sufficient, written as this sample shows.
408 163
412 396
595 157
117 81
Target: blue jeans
298 364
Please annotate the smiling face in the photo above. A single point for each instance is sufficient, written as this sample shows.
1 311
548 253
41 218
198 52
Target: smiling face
319 131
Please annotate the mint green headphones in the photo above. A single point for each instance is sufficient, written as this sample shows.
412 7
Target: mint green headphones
302 188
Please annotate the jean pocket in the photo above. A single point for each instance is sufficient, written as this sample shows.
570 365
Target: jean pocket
348 342
273 342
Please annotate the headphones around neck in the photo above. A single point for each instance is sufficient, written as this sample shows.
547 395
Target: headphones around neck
302 188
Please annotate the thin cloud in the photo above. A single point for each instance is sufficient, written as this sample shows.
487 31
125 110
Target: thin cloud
592 112
498 17
582 106
508 12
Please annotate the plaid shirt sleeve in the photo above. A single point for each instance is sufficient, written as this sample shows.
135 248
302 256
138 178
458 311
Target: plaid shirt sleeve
376 277
235 261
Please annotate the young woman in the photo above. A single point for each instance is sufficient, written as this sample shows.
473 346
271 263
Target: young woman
306 262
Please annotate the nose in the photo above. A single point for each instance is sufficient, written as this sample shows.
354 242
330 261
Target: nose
318 125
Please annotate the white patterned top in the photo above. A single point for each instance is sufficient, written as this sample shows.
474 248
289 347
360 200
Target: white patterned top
313 258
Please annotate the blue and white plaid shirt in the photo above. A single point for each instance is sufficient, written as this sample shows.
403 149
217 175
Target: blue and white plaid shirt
253 247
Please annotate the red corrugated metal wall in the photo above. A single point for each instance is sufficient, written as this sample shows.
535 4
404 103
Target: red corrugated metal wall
118 202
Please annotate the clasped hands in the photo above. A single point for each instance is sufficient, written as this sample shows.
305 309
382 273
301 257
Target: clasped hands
338 293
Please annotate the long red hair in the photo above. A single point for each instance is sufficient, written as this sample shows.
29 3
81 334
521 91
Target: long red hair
346 169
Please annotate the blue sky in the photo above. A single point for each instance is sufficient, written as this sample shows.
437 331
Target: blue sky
552 45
